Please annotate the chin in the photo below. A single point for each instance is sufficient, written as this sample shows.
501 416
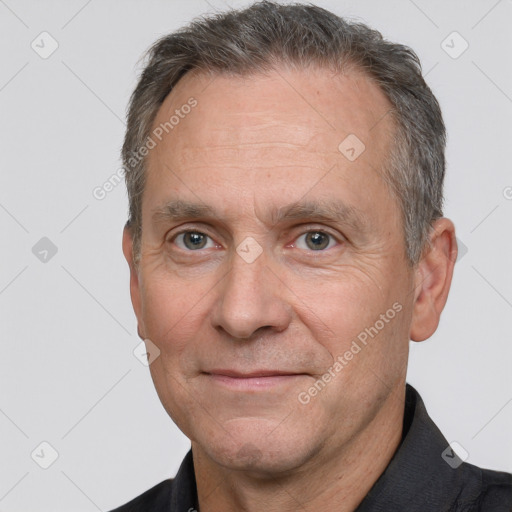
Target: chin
259 446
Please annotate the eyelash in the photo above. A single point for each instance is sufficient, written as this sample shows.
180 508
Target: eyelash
322 231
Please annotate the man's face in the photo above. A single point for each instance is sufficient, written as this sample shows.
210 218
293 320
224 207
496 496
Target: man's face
292 252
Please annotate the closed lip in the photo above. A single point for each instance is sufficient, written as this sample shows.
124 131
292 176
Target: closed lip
252 382
252 374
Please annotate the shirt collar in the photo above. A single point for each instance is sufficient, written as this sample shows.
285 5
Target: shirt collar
418 478
184 490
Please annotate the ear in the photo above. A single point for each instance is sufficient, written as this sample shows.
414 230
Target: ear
433 279
134 279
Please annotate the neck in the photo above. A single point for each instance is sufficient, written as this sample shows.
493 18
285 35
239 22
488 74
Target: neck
337 478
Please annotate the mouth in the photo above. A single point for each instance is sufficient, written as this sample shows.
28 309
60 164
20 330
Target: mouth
252 381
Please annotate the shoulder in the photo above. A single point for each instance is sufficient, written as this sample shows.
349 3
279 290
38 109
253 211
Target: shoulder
427 475
155 499
495 490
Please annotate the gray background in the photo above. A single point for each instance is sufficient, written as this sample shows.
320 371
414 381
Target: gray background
68 375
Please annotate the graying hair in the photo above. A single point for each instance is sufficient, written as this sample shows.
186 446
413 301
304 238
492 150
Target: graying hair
266 35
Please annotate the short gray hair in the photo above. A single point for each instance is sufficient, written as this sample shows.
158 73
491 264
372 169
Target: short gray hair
265 35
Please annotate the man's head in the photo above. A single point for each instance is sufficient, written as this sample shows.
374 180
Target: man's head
285 239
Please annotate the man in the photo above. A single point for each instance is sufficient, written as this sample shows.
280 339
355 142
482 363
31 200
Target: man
286 242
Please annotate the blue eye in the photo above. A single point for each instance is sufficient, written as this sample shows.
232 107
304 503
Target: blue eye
312 240
316 241
193 240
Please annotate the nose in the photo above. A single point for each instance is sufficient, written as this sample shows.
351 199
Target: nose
252 298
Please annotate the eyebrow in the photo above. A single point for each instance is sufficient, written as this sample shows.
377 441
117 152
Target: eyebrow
177 210
326 211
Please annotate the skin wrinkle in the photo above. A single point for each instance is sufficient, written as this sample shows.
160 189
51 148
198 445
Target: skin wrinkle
288 309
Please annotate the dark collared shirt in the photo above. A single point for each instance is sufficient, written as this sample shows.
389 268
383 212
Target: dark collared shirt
424 475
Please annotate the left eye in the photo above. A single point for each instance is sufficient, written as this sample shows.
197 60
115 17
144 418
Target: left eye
315 241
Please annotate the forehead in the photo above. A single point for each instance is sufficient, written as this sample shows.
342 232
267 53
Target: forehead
281 132
299 102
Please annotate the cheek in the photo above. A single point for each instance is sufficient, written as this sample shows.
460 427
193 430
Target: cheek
364 330
368 344
170 311
343 305
177 319
173 318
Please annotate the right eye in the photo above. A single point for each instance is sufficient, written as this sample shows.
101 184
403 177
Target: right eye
193 240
